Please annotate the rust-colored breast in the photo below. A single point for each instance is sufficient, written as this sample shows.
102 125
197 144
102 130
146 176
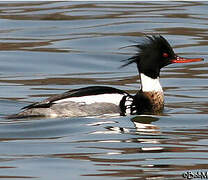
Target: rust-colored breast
156 99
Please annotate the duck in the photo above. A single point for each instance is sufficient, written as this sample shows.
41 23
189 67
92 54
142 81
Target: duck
153 54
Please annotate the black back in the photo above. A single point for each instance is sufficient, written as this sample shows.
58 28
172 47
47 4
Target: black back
87 91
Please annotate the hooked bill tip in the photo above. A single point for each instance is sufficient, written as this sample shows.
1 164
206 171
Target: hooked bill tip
179 59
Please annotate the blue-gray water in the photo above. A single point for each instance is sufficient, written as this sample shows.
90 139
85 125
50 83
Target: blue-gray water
47 48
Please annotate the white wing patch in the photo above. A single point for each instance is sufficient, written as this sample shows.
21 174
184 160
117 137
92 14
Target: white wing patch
100 98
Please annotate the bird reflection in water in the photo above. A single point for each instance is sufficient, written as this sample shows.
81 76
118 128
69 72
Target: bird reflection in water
143 124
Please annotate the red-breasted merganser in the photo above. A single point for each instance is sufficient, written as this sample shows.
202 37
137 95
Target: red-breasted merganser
152 55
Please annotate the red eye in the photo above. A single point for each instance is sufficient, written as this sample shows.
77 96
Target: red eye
165 55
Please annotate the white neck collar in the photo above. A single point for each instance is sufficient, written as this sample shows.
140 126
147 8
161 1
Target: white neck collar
149 84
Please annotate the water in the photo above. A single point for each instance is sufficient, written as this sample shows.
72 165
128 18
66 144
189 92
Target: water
47 48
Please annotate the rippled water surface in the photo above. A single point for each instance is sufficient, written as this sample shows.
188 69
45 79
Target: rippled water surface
47 48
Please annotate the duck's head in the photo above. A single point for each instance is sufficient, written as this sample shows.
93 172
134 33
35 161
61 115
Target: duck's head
154 54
